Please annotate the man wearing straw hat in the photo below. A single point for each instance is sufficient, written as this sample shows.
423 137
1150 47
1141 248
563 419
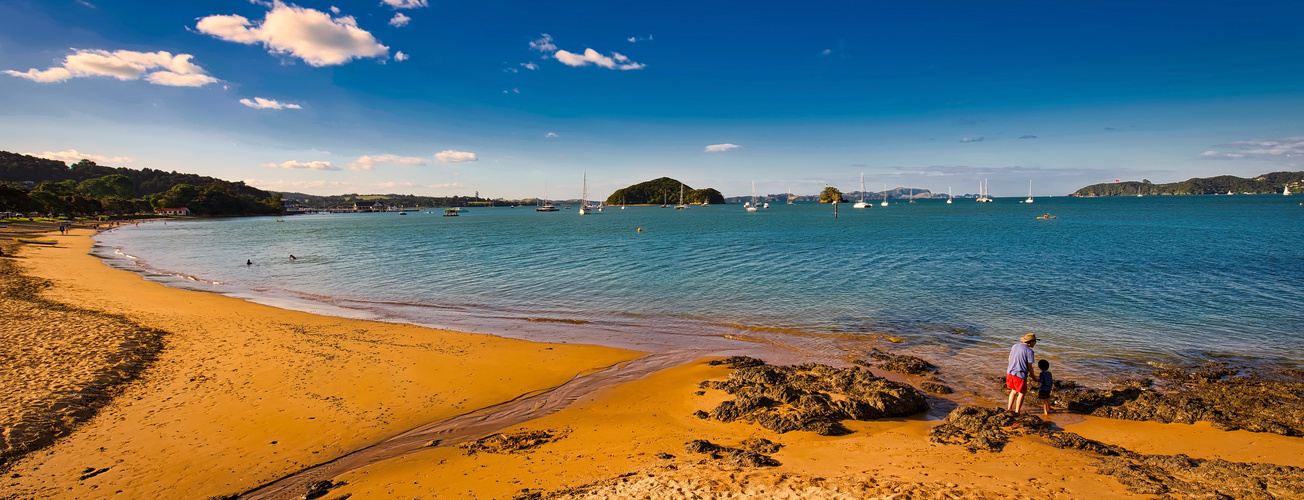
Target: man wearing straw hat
1020 367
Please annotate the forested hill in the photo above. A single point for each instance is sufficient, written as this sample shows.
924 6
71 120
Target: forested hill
30 184
19 168
663 190
1263 184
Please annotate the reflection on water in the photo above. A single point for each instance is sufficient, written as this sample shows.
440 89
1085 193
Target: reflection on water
1111 285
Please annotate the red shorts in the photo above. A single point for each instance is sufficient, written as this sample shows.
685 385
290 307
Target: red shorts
1016 384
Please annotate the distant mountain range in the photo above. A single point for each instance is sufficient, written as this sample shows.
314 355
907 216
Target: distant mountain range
1264 184
901 193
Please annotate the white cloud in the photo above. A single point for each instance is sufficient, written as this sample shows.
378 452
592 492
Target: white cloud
74 156
400 56
299 165
451 156
530 66
308 34
1285 150
370 162
511 70
972 139
399 20
335 9
543 44
405 4
551 135
720 148
590 56
87 4
826 52
632 39
260 103
159 68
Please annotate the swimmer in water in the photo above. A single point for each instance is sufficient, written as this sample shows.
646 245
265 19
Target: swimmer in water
249 262
292 257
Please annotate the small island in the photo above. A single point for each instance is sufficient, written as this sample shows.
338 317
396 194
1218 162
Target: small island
663 191
1272 183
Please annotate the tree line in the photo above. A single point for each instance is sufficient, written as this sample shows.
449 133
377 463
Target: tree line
31 184
1263 184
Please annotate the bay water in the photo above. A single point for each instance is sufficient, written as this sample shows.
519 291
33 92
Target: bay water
1111 285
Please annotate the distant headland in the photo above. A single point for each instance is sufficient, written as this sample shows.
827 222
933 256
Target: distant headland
1272 183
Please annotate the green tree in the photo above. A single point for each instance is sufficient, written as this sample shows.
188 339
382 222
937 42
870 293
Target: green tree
14 200
831 194
48 202
113 185
61 188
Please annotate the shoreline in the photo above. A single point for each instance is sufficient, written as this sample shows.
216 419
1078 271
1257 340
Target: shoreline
244 394
611 441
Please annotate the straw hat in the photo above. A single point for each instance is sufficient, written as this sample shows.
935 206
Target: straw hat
1028 338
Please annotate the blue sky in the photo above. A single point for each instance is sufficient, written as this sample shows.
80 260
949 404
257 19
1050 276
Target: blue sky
442 98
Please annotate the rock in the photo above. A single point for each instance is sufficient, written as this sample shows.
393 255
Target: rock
736 362
701 414
1214 393
788 398
318 489
761 445
900 363
935 387
985 429
513 442
665 456
731 456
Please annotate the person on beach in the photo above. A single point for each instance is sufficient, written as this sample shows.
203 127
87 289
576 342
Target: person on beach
1044 384
1017 371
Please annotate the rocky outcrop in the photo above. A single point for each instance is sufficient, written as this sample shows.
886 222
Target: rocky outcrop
1214 393
989 429
810 397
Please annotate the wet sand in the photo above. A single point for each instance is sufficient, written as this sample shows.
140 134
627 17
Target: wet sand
245 394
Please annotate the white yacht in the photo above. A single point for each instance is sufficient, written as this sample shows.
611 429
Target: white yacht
861 203
751 206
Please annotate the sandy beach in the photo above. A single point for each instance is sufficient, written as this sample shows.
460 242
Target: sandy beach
223 396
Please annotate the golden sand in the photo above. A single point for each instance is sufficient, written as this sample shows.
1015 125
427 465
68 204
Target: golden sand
244 394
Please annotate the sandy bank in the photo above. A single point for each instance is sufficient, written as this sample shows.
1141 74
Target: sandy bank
243 394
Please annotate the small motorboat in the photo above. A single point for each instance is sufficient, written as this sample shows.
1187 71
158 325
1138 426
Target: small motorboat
1046 216
35 241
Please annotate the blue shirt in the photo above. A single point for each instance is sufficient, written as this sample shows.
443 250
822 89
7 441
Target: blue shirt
1046 382
1020 357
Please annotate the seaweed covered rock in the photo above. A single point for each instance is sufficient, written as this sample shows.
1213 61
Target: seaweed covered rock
811 397
1169 475
985 429
899 363
1214 393
733 456
512 442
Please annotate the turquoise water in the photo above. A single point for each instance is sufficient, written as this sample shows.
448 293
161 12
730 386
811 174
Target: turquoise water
1111 285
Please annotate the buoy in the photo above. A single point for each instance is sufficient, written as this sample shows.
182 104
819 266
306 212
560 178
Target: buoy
640 229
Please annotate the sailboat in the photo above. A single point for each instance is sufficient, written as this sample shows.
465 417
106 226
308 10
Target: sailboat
861 203
1285 191
982 192
681 205
752 206
663 199
884 195
545 207
585 209
1029 200
790 194
912 195
948 195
